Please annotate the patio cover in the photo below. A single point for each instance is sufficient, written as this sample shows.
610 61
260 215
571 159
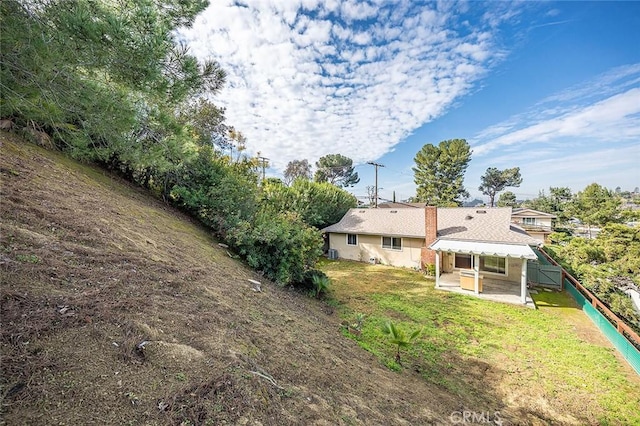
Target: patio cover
484 249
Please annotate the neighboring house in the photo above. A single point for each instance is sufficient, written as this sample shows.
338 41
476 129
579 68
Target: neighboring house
466 245
537 224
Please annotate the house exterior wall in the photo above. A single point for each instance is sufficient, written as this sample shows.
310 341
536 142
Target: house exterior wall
540 236
371 246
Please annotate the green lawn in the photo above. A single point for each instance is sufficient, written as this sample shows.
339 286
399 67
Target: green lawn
552 359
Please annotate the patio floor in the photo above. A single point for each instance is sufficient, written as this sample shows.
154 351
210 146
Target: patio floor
495 290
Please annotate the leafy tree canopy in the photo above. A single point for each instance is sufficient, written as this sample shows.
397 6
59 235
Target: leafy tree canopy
439 172
297 169
319 204
100 79
596 206
494 181
606 265
337 170
557 203
507 199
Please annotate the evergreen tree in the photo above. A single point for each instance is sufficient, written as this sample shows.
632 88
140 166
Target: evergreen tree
297 169
596 206
494 181
337 170
507 199
439 172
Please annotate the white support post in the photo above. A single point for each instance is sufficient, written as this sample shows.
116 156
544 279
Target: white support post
523 282
476 274
437 269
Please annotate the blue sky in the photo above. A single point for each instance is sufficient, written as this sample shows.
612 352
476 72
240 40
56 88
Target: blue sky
550 87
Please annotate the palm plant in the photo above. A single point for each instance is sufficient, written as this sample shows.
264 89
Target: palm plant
399 337
321 284
359 321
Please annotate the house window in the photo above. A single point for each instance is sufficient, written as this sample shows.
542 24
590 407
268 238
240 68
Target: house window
463 261
529 220
494 264
352 240
393 243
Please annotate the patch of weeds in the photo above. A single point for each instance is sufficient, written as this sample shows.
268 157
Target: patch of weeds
348 420
393 365
334 303
359 317
181 376
133 398
11 172
7 246
287 393
28 258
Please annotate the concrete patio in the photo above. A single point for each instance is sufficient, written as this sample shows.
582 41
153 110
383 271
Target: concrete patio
494 290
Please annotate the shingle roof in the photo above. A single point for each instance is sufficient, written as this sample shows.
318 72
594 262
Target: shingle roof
392 222
480 224
455 223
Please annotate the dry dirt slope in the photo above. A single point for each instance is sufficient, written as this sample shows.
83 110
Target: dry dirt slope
92 267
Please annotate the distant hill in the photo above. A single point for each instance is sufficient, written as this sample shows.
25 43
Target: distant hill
117 309
473 203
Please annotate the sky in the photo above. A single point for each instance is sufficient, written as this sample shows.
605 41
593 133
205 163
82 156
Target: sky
550 87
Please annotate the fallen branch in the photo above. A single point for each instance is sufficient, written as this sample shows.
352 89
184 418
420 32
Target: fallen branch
269 379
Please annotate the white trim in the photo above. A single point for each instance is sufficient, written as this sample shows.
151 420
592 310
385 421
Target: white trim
523 283
352 245
520 251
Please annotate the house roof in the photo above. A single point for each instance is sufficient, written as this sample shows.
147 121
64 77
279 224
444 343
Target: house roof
524 212
455 223
391 222
394 205
481 224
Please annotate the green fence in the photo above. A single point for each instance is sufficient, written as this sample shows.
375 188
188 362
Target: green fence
628 351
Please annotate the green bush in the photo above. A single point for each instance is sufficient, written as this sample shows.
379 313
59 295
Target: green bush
280 245
430 270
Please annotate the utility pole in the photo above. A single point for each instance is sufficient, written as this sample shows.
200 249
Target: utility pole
264 164
376 165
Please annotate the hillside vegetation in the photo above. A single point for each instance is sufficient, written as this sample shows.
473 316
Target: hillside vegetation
92 268
117 309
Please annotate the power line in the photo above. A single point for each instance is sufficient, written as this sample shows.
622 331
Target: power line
376 165
264 164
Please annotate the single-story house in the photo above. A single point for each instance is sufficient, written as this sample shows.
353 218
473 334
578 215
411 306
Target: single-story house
465 245
537 224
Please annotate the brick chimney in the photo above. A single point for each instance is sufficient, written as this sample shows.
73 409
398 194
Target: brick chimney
431 234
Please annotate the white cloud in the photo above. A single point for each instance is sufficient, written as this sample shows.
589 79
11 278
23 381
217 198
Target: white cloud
309 78
616 118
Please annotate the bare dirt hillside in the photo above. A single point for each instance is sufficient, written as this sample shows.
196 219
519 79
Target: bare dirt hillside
117 309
